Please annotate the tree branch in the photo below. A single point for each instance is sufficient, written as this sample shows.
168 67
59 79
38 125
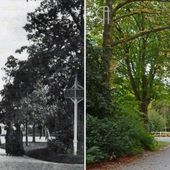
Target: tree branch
124 3
139 34
134 13
132 80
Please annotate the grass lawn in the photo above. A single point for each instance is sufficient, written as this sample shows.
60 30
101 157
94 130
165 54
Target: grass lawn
40 151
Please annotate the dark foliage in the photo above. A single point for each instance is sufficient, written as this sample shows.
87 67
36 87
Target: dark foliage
48 155
110 138
55 31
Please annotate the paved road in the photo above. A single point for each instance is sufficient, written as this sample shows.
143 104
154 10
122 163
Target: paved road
26 163
159 160
154 161
163 139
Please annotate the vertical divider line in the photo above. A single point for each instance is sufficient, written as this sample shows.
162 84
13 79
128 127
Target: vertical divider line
85 84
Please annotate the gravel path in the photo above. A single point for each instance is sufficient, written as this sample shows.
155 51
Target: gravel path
26 163
159 160
154 161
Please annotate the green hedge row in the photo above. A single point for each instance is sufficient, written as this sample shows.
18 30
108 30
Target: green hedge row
114 137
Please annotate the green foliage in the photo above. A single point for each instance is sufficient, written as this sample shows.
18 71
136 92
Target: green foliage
159 117
116 136
99 98
148 142
138 73
156 121
94 154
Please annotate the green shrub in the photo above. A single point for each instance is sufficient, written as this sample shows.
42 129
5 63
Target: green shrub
156 121
95 154
148 142
117 136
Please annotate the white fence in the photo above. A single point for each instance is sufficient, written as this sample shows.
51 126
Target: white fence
162 134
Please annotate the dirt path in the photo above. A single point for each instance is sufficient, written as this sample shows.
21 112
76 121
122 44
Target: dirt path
154 161
26 163
159 160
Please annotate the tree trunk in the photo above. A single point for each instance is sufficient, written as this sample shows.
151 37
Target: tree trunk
144 109
26 132
33 134
107 43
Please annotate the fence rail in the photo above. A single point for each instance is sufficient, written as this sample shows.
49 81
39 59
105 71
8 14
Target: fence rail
162 134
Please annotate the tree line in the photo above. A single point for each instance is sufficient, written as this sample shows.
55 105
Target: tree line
34 88
129 60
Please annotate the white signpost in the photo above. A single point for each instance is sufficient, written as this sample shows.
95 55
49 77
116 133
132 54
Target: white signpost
76 94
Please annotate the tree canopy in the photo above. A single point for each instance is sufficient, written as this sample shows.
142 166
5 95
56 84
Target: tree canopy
34 89
128 81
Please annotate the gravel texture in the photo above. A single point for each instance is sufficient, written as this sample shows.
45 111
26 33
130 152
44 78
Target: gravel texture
154 161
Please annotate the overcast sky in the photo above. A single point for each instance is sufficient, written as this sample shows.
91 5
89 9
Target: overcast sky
13 15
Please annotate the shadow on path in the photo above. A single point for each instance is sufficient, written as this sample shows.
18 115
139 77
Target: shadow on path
26 163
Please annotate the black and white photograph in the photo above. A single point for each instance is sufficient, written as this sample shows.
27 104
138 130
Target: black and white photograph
42 85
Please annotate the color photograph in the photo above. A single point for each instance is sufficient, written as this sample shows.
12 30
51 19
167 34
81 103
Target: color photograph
128 85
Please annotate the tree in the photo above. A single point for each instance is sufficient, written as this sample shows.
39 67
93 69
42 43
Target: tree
120 12
56 34
57 42
127 70
132 26
35 107
144 63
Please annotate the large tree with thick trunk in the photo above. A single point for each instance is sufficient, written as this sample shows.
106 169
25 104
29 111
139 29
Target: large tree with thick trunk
55 31
132 23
